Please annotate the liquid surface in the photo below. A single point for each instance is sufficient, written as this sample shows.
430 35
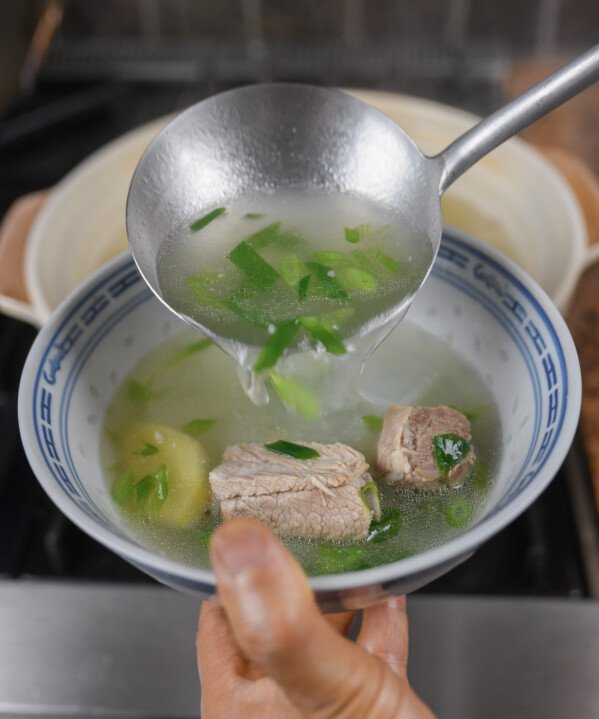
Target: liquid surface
176 384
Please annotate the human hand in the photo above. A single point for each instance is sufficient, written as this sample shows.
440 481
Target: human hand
269 653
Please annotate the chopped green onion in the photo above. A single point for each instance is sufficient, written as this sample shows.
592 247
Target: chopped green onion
161 483
389 525
190 349
264 237
333 559
373 422
242 302
246 313
290 269
295 395
480 477
207 219
201 288
458 512
375 261
339 316
140 391
276 344
388 262
143 489
369 494
355 234
324 333
258 272
121 489
449 450
302 288
197 426
148 450
325 276
290 449
333 259
204 537
151 489
253 215
291 241
356 279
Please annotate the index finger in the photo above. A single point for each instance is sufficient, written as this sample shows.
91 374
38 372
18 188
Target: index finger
384 633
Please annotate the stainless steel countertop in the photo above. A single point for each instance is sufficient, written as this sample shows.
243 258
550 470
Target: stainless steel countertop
74 650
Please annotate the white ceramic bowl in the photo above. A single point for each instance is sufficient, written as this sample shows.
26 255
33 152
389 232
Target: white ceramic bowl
475 300
513 199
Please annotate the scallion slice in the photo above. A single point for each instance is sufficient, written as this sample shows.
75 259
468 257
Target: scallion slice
290 269
191 349
326 282
375 261
480 477
373 422
206 219
201 288
389 525
355 279
458 512
295 395
290 449
302 288
264 237
161 488
151 489
121 489
333 259
140 391
257 270
196 426
449 450
369 494
242 302
324 332
148 450
334 558
204 537
355 234
276 344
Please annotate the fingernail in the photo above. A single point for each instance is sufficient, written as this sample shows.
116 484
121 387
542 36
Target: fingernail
236 549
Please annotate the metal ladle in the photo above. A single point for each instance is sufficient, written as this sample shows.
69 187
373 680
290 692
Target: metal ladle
263 137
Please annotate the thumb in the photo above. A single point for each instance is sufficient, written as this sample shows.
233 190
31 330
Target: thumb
276 624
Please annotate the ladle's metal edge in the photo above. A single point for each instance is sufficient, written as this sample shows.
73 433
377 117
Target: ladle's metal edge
494 130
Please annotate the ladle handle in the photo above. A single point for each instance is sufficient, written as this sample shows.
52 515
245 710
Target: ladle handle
515 116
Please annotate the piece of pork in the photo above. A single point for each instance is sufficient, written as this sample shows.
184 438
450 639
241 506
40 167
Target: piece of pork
405 452
314 498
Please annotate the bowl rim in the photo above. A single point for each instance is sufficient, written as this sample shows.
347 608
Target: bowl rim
183 574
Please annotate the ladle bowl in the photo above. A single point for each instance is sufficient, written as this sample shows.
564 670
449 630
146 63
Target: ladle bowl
269 137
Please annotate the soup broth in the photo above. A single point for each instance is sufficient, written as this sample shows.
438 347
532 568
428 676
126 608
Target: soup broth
188 380
288 287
